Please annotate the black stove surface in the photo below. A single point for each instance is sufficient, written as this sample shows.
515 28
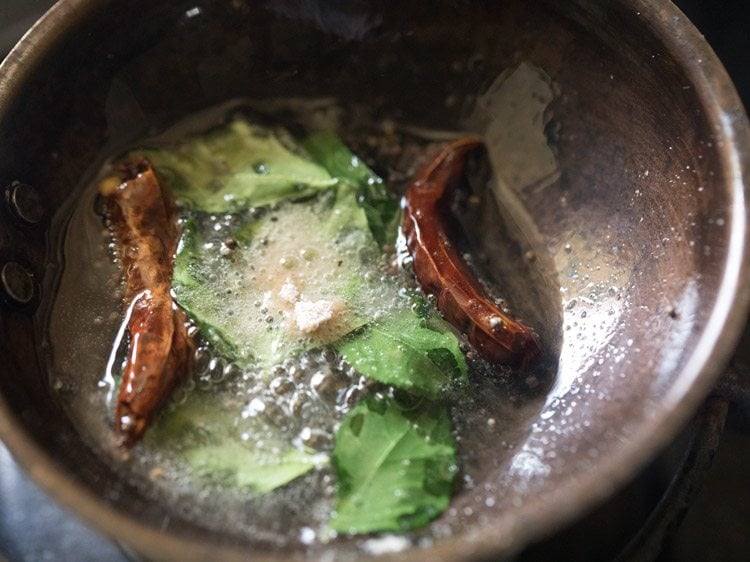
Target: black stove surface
717 526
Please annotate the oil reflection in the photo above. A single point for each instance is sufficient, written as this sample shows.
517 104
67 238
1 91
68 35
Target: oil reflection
579 283
593 306
512 115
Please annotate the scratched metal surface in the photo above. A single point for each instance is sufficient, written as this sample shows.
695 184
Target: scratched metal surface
31 526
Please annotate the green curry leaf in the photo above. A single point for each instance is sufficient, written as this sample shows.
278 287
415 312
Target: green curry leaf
212 446
403 351
239 301
233 464
379 203
195 293
395 468
236 166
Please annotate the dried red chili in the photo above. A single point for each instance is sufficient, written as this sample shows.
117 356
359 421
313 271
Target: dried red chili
442 272
143 219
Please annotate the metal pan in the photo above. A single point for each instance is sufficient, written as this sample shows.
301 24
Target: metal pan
619 149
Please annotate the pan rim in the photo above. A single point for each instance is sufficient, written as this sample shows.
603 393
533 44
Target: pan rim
724 111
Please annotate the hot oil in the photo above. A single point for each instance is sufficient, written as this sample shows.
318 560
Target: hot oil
304 399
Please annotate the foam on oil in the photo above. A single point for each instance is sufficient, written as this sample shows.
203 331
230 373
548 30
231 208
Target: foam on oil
300 401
